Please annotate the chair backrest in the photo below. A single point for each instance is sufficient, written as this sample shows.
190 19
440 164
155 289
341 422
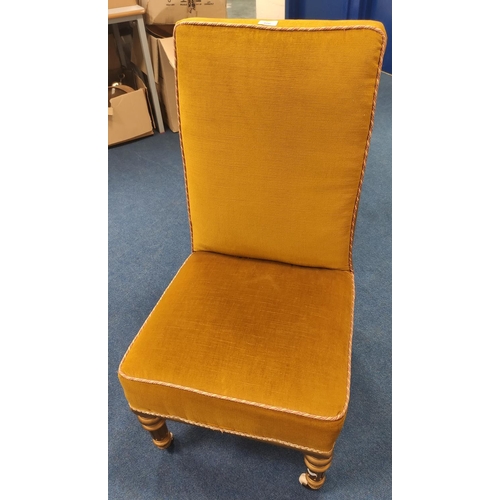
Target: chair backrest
275 125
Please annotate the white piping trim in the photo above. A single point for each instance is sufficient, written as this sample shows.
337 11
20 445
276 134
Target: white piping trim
261 438
235 400
149 315
338 416
342 27
291 29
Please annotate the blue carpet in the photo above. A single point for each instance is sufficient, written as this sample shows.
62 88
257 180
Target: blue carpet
148 241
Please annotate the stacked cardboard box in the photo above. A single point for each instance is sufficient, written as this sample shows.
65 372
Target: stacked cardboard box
129 113
171 11
160 18
168 93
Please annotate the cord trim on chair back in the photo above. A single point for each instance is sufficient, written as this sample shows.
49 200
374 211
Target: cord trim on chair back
239 25
368 140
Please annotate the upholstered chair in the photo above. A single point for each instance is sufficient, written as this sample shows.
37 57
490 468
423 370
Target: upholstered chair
253 335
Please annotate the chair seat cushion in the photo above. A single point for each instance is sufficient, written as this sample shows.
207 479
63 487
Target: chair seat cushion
253 347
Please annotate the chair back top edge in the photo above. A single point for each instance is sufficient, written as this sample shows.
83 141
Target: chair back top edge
275 124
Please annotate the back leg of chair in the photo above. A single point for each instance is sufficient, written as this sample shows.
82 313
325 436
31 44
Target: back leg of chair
157 427
314 478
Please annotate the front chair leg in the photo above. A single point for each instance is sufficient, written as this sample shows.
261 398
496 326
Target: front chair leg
314 478
157 427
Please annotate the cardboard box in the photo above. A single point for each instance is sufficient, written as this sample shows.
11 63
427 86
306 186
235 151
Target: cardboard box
170 11
129 114
154 33
168 92
114 62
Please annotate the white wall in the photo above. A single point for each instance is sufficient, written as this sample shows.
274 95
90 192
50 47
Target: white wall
270 9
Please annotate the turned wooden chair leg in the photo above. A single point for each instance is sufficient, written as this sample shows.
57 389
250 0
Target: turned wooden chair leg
314 478
157 427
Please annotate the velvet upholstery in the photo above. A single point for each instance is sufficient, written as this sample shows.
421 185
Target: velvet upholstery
253 335
275 137
229 346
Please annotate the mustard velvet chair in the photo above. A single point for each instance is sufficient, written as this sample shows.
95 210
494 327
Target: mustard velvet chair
253 335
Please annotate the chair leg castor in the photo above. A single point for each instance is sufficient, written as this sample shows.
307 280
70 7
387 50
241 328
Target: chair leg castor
157 427
314 478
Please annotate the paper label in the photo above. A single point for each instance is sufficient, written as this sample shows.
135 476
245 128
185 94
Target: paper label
268 23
